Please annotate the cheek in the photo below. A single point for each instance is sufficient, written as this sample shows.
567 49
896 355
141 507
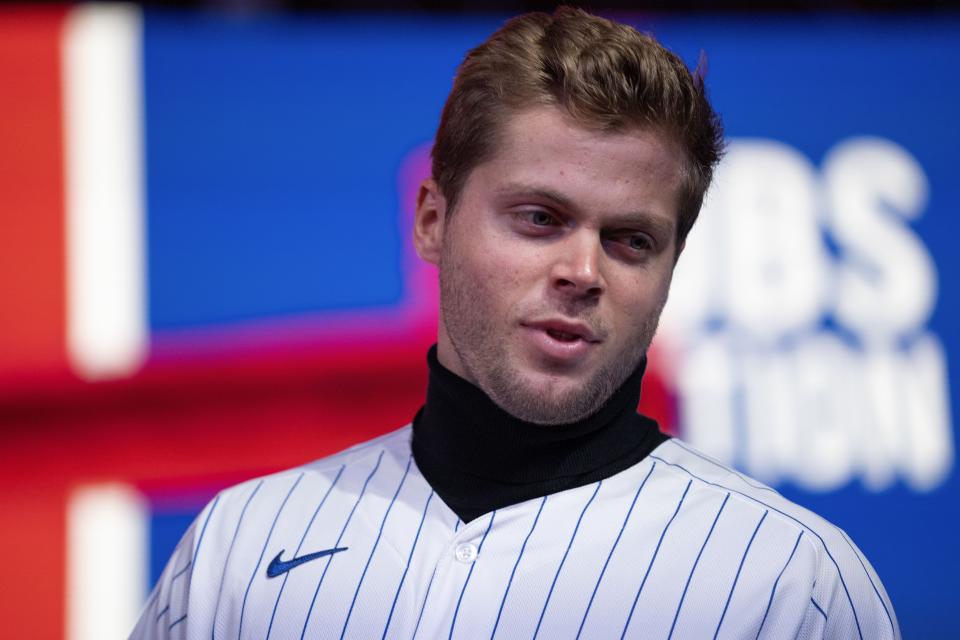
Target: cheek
502 266
500 283
488 279
640 297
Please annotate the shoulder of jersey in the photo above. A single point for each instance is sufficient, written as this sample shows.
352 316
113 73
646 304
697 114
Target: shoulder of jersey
843 581
397 441
684 459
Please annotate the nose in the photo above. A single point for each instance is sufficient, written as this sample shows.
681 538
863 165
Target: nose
577 268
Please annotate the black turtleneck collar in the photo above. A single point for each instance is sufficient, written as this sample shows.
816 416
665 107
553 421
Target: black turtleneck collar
479 458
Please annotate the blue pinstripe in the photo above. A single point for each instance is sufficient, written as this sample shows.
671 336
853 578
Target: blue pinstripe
653 559
773 591
843 582
407 568
694 567
737 576
374 549
203 530
614 548
226 562
337 543
155 599
473 566
515 565
564 559
246 593
302 538
822 612
424 605
856 552
746 480
177 621
156 596
181 572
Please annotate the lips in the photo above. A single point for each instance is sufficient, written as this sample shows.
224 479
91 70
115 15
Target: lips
564 330
560 341
563 336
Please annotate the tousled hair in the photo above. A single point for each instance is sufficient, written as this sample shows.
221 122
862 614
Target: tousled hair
604 74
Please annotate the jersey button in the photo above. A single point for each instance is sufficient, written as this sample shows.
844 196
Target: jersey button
466 553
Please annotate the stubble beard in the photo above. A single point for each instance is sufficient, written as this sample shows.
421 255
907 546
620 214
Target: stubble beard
484 353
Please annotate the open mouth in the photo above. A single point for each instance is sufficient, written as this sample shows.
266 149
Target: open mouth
562 336
560 342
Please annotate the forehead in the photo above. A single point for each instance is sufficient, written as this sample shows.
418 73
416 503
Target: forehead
613 172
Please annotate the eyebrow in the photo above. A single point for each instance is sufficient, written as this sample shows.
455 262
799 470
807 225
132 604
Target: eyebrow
627 219
545 193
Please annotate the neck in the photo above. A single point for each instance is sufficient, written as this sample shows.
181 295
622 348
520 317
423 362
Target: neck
479 458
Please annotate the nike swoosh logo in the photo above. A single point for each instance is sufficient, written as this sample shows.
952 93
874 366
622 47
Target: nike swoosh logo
279 567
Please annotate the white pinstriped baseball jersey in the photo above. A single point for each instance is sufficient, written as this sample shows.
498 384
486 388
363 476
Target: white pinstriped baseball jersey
677 546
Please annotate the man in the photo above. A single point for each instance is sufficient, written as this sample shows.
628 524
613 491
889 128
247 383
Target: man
528 498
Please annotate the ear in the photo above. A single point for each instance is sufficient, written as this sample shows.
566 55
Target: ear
428 221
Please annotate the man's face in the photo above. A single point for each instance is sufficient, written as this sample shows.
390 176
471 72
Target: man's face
556 263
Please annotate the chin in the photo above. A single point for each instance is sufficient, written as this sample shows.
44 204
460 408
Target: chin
551 387
550 373
552 383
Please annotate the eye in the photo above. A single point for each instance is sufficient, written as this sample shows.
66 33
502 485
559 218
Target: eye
539 218
632 245
536 222
639 243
